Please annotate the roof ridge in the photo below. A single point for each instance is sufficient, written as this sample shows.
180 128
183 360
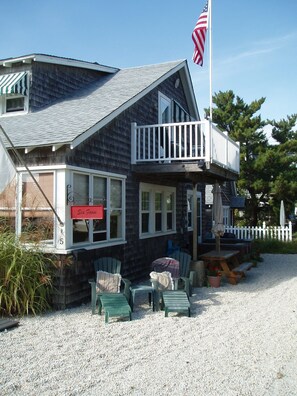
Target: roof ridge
178 61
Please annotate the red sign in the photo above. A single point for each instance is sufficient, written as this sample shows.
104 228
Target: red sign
83 212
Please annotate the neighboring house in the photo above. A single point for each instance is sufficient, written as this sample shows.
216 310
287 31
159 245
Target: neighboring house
230 200
130 140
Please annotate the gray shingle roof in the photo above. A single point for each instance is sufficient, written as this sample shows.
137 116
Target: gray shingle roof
75 116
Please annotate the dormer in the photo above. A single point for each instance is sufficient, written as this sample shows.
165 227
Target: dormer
31 82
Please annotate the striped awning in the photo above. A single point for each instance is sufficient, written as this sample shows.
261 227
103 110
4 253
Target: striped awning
15 83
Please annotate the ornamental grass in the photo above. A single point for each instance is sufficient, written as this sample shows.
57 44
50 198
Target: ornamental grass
25 278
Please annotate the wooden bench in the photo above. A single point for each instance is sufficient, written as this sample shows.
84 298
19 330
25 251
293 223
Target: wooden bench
234 275
229 263
243 268
114 304
176 301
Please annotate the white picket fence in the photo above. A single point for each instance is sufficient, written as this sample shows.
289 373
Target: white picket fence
264 232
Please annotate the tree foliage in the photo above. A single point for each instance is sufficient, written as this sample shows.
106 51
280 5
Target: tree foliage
265 170
285 182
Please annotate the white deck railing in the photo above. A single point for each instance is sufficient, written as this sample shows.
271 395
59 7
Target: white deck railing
265 232
188 141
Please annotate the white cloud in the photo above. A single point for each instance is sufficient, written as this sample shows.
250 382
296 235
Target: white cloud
261 47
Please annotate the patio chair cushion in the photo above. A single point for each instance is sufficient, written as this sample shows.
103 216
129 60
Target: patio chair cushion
107 282
163 279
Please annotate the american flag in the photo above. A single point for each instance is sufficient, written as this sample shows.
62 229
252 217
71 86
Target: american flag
199 35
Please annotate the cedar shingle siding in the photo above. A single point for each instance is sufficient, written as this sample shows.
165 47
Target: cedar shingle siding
110 150
66 102
52 82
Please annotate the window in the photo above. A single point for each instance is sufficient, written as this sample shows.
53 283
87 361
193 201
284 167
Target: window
15 104
14 92
190 210
116 218
99 190
10 104
179 114
169 211
226 215
145 211
157 209
164 109
100 198
190 214
37 218
164 136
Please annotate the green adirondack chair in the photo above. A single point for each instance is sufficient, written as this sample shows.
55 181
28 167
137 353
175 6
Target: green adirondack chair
185 275
112 266
165 297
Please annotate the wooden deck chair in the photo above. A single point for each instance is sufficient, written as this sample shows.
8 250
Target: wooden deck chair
107 264
185 275
112 266
171 248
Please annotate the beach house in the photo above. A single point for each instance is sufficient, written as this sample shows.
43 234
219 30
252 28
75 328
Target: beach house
121 158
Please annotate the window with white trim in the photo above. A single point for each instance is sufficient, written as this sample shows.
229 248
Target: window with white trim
190 213
179 113
226 215
13 104
35 218
103 190
157 209
165 115
14 93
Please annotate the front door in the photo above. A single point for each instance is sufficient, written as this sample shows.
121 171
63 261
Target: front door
198 219
165 117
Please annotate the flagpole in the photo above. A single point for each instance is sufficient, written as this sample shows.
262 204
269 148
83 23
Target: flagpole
210 57
31 174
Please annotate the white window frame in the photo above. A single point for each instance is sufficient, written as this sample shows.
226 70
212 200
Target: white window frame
152 189
168 101
3 101
62 201
107 210
190 213
226 215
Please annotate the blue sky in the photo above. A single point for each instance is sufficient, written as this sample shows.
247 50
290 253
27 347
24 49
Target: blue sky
254 42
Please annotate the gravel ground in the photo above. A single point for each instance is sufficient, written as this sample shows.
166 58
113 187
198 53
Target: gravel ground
240 340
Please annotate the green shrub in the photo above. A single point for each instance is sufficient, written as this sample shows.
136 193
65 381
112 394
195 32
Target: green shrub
25 278
275 246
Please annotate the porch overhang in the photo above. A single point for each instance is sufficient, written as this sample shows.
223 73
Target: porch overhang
194 172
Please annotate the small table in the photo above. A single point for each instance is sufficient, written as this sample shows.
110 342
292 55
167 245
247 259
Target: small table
141 288
223 258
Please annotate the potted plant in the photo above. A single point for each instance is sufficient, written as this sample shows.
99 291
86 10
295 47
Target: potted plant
214 276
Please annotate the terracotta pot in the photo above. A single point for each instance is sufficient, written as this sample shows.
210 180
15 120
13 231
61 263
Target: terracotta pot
214 281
